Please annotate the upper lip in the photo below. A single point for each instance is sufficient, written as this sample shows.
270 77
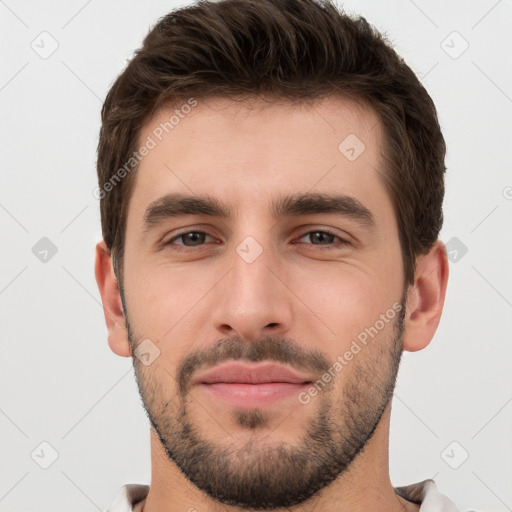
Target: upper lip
246 373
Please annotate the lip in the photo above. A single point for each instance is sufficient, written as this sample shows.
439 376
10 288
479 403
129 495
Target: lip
251 385
244 373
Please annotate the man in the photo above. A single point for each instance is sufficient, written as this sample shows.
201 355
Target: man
271 185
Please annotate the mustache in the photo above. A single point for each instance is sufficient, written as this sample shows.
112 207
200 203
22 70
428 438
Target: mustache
267 348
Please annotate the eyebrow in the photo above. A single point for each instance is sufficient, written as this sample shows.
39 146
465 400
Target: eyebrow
178 205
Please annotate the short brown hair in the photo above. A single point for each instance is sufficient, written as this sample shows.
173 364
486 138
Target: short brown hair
286 50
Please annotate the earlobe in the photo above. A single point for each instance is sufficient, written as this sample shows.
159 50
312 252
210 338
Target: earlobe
425 299
111 299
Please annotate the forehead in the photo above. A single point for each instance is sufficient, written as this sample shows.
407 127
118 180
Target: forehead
247 152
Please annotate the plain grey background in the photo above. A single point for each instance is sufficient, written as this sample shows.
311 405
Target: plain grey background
60 384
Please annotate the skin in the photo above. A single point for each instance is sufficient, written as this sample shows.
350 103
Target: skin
294 294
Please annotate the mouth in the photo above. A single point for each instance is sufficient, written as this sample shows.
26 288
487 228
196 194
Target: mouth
251 385
251 396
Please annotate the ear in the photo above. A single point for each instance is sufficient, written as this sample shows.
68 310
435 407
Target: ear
112 305
425 299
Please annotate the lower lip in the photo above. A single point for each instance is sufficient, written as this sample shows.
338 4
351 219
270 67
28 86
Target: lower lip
253 395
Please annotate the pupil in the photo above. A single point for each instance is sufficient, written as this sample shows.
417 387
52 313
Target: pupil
192 237
321 235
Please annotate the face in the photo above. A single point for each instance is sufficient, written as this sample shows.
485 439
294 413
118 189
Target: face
266 291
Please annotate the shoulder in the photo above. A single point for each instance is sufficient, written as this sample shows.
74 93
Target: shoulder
426 494
127 497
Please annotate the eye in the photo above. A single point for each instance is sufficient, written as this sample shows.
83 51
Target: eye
324 236
189 239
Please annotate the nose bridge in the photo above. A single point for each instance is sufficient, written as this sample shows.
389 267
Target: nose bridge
251 298
251 273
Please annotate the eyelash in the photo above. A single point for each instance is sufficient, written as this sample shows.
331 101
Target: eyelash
184 248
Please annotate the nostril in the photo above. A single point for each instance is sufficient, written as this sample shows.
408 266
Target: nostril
273 324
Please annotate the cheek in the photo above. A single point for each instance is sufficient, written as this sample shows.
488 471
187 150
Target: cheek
346 298
162 301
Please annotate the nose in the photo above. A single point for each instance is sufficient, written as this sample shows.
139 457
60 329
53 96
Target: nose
252 300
